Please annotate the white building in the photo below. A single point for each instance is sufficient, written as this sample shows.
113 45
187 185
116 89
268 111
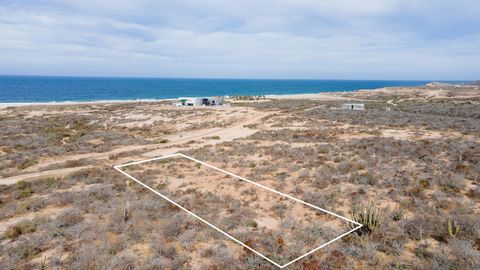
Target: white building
354 106
189 101
216 101
200 101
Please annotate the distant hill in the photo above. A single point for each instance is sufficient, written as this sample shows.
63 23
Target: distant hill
443 84
476 83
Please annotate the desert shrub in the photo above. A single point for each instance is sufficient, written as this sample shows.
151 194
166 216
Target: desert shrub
174 226
87 257
279 209
162 250
187 239
101 174
423 226
364 178
181 262
252 261
474 192
125 262
335 259
391 239
252 223
321 179
280 177
33 204
68 218
21 228
465 254
156 263
207 252
397 214
61 199
422 251
46 184
453 183
309 234
71 164
19 194
345 167
222 259
26 247
362 248
22 190
85 199
323 199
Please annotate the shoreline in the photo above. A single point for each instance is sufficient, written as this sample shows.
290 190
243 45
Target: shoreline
317 96
65 103
326 96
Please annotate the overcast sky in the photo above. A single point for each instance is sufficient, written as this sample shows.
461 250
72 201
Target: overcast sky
316 39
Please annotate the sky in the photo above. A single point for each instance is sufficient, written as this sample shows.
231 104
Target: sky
276 39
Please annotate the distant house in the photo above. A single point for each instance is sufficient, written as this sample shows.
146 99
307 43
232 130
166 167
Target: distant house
189 101
354 106
216 101
200 101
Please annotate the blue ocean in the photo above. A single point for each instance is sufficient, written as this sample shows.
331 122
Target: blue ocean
58 89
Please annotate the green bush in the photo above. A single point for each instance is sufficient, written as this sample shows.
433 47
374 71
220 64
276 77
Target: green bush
20 228
252 224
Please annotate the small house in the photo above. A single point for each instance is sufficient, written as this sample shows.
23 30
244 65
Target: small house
354 106
200 101
189 101
216 101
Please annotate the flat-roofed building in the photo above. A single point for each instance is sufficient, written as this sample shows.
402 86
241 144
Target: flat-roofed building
354 106
200 101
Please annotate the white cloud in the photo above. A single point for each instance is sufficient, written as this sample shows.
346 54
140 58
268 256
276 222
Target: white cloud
376 39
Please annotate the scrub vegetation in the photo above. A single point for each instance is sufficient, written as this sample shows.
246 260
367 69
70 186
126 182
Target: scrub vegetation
408 167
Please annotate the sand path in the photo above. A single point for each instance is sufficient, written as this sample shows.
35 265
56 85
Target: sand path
33 176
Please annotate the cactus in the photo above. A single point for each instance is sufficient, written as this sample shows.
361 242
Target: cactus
126 212
369 216
43 264
452 230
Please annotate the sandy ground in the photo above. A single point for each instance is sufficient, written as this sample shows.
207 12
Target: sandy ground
43 174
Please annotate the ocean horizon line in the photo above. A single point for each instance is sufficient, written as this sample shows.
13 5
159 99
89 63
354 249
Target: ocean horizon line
233 78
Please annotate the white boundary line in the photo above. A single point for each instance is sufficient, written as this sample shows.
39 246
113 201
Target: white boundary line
117 167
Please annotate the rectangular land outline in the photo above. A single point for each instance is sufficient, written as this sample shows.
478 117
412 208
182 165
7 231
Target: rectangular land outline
117 167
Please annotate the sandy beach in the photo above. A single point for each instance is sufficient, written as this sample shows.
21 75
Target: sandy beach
66 103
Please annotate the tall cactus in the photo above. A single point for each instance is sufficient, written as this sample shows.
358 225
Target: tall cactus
369 216
452 229
126 212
